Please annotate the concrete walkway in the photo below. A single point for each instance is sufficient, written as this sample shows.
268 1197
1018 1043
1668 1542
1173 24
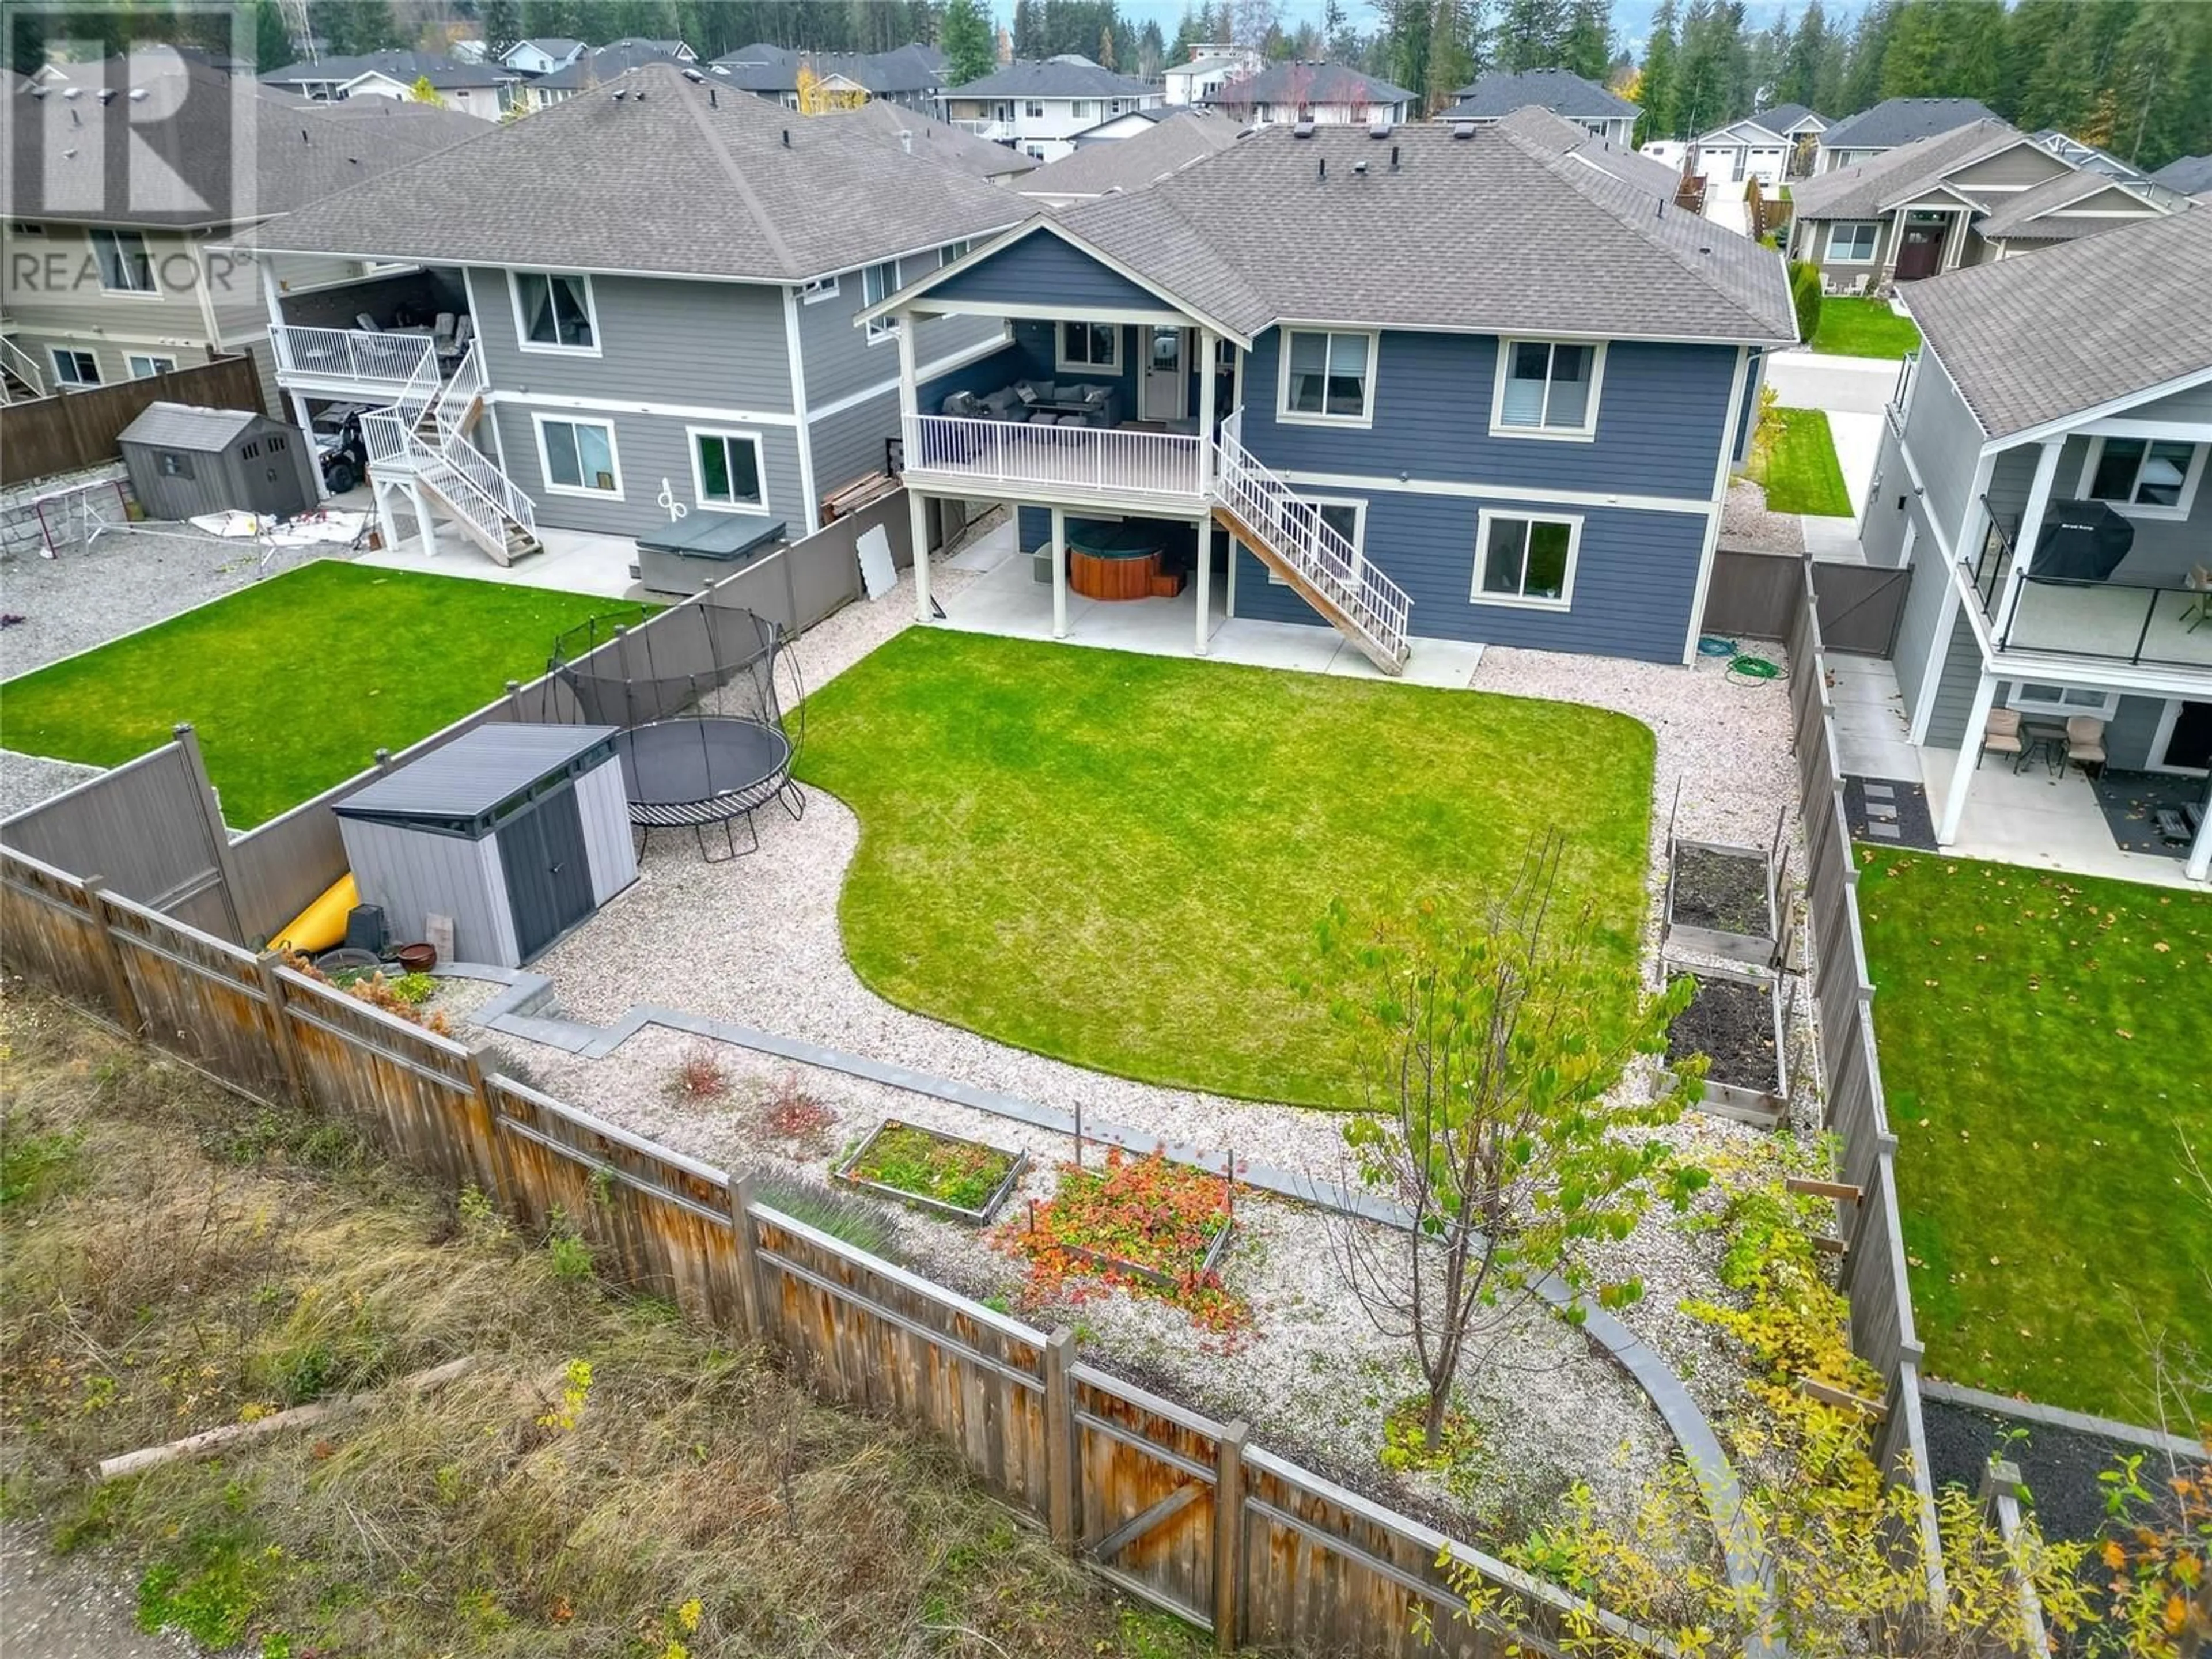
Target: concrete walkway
514 1013
1870 720
1803 379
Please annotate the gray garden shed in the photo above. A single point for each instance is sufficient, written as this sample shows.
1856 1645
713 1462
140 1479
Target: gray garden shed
516 832
185 461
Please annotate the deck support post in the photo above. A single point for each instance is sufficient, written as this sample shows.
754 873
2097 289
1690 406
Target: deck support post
2023 545
1229 1533
386 525
1970 755
1057 548
428 525
1204 584
911 440
2199 866
917 509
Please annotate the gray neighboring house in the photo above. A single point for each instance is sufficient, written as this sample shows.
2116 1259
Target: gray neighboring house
1328 94
1039 108
909 76
483 90
680 335
2191 174
542 54
1770 145
1496 95
1981 192
1891 123
920 134
2079 379
1179 138
98 290
597 66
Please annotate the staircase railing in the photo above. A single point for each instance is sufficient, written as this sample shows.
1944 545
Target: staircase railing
24 366
1296 533
461 389
492 487
469 481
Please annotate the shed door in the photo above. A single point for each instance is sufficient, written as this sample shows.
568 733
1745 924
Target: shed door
548 877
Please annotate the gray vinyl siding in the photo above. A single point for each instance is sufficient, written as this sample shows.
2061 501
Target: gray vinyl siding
2164 550
649 449
52 283
720 345
1664 412
607 847
1891 505
2193 404
1042 266
1916 627
850 444
1634 576
2012 475
2022 165
1954 688
442 875
839 359
1946 442
2130 732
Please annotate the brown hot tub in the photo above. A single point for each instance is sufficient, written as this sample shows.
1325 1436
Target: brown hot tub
1112 562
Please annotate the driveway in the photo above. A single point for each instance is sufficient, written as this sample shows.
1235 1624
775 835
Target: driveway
1846 385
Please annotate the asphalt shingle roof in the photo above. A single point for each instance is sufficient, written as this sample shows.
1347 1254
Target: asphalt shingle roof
553 45
662 181
1897 121
603 63
766 68
1502 232
180 173
2191 175
187 426
1307 84
1054 78
1779 119
1181 138
2022 213
1563 92
2070 327
941 141
1563 137
406 67
1872 186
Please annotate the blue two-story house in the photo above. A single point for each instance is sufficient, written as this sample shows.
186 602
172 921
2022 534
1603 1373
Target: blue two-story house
1430 382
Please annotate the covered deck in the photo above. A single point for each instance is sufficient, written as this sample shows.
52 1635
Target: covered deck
364 338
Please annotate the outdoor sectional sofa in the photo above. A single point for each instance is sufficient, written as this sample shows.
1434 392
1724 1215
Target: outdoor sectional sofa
1042 403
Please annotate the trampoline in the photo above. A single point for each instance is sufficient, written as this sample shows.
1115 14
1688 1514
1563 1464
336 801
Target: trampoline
703 742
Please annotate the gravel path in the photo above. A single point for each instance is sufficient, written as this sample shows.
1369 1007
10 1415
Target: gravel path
74 1608
1745 522
27 780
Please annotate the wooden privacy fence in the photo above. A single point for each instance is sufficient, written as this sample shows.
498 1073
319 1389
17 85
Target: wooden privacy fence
1174 1507
1874 1268
72 430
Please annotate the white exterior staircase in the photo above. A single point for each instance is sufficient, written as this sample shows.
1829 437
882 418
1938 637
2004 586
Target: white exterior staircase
1287 533
424 438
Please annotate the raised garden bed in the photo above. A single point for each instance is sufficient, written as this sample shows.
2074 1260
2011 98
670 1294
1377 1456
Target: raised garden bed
1737 1021
1721 902
1144 1219
947 1174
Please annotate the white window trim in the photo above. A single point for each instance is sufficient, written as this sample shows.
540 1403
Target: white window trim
1483 519
152 291
1585 434
132 359
522 340
953 252
1059 348
821 288
1359 504
2027 705
692 437
2190 480
567 417
1284 415
54 355
882 328
1832 258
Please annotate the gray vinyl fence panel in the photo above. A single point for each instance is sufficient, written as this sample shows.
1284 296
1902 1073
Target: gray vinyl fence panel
1753 594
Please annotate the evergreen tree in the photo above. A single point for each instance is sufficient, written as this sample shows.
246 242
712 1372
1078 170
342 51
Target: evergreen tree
1661 77
1530 33
2158 80
502 25
272 39
1862 87
1029 29
1151 49
1449 67
965 38
1587 48
1800 60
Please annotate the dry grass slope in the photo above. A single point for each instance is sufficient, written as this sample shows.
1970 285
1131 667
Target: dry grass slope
175 1259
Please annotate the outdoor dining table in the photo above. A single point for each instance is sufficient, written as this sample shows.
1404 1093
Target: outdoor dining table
2048 735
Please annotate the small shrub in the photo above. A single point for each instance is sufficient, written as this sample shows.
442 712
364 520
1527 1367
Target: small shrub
699 1078
1805 296
852 1221
569 1250
798 1117
377 992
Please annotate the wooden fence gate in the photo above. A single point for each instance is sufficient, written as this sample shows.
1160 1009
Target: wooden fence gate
1860 607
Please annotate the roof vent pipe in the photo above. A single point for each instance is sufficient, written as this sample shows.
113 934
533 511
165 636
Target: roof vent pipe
713 102
1323 175
1394 158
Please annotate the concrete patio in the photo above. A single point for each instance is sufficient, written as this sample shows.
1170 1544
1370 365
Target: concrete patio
2042 821
1006 598
574 561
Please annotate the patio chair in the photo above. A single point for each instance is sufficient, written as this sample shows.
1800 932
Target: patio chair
2001 737
2085 741
442 336
464 333
366 323
2199 582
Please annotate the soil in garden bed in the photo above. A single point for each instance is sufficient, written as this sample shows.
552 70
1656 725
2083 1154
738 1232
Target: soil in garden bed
1723 891
914 1160
1733 1025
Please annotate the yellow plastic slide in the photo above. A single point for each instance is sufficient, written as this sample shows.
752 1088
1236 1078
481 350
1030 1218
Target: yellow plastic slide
322 924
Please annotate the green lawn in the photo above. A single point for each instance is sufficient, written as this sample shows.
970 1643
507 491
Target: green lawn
1802 474
1863 328
2044 1042
1118 860
294 683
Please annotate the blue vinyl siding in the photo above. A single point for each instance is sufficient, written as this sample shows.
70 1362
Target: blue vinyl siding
1636 573
1031 357
1663 413
1041 267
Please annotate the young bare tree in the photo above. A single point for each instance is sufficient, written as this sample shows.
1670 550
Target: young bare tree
1487 1045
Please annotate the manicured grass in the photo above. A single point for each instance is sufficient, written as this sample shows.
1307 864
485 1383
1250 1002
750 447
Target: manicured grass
1119 859
1802 475
1863 328
296 683
2043 1044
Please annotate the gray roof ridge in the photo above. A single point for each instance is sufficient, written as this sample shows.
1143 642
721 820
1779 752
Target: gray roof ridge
1583 179
762 220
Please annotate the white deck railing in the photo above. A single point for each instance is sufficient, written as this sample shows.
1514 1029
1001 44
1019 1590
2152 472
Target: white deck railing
350 354
1092 460
1296 532
24 366
468 480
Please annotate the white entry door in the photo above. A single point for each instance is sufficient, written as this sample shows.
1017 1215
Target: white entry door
1161 396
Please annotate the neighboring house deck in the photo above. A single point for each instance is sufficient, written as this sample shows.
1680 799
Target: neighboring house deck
2053 396
1213 373
662 349
1327 93
1565 94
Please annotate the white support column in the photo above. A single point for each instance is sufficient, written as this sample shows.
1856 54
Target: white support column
918 519
2199 866
385 522
305 422
1205 583
428 525
279 341
1970 755
2030 526
909 386
1207 352
1057 546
